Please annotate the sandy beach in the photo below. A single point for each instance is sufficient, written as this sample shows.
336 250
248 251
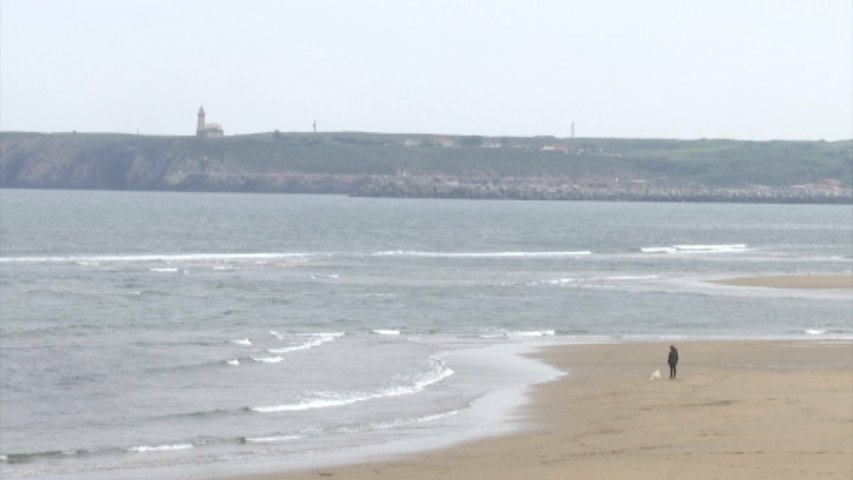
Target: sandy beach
738 409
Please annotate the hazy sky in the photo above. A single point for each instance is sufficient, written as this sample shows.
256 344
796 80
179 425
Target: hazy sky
745 69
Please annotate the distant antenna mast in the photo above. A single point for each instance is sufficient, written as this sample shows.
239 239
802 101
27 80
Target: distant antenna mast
573 129
315 126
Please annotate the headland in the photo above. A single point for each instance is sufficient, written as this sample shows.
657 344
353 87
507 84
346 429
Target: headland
436 166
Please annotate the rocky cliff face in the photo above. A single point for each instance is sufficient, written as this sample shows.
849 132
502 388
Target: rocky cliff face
42 162
119 162
532 188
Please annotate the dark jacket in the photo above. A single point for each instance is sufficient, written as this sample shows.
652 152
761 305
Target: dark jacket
673 357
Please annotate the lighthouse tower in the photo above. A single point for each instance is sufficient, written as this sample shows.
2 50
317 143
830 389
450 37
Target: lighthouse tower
207 130
200 126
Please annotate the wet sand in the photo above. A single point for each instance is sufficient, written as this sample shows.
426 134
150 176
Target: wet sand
840 281
738 409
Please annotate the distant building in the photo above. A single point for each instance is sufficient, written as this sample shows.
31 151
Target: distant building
207 130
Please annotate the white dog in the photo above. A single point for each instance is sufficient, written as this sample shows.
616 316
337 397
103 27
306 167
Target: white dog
655 375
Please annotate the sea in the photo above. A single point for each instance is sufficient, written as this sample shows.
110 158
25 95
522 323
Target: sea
202 335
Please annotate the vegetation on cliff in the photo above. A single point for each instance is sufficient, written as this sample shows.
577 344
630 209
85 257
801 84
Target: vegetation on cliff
419 165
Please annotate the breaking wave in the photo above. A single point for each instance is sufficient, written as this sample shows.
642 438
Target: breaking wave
339 399
160 448
416 253
178 257
385 331
695 249
316 339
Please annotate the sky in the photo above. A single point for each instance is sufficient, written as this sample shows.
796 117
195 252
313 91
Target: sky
740 69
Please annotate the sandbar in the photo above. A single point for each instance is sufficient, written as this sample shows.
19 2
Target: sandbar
832 281
738 409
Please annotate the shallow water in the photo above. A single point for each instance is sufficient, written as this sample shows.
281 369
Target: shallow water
184 335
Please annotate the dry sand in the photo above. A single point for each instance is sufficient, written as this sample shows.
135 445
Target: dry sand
738 410
839 281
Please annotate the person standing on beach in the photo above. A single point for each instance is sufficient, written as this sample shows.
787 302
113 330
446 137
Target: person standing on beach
672 360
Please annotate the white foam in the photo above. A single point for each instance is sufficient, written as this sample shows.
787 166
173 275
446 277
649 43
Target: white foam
164 270
658 250
632 277
243 341
712 247
698 248
814 331
493 335
561 281
189 257
273 439
437 416
401 422
415 253
533 333
386 331
276 359
317 340
233 362
695 249
160 448
328 400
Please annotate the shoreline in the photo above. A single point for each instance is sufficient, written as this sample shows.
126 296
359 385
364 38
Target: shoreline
739 409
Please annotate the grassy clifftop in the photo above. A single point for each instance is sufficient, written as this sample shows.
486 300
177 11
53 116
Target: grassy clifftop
424 165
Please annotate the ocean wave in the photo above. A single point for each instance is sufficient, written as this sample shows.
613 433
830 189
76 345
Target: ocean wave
164 257
532 333
658 250
338 399
242 341
632 277
233 362
317 339
697 248
217 412
272 439
276 359
385 331
518 333
16 458
416 253
413 421
164 270
160 448
814 331
575 281
402 422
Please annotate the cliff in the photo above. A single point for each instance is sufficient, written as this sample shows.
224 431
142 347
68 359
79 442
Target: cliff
435 166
